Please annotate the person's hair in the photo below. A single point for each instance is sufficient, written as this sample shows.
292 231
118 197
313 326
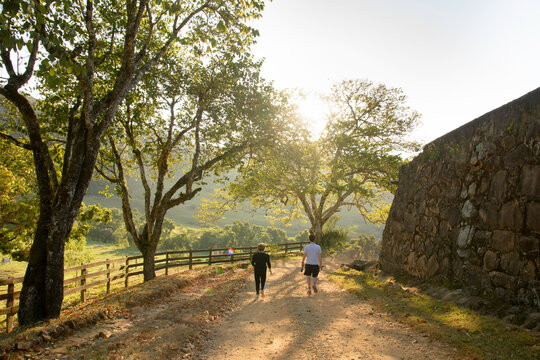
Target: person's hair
261 247
311 237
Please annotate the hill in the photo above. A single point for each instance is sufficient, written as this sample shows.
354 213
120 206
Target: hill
185 213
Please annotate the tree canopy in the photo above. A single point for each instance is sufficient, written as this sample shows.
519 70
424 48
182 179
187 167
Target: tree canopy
208 115
352 163
86 57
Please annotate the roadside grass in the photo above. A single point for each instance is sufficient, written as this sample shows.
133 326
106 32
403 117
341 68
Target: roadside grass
102 306
479 336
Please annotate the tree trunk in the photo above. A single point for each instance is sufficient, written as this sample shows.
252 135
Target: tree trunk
317 231
148 265
32 303
43 286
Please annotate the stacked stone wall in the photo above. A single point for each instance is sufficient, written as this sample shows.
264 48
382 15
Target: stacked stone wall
467 209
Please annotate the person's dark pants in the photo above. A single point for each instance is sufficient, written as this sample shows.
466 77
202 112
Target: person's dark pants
260 280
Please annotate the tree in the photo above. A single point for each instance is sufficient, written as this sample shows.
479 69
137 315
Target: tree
218 110
19 205
89 56
350 165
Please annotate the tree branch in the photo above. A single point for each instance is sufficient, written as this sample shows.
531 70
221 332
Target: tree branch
15 142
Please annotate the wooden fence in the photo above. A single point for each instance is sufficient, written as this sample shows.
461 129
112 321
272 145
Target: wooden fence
87 276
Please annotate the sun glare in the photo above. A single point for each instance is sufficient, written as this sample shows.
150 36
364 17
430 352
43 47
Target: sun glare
313 110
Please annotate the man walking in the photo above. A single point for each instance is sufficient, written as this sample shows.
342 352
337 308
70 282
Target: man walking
313 260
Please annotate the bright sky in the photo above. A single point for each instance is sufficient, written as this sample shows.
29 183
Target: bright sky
455 59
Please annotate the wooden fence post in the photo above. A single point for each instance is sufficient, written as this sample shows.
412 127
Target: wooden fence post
190 259
83 282
127 272
10 302
209 257
167 263
286 248
108 277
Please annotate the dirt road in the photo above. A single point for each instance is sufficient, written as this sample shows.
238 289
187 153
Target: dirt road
217 317
289 324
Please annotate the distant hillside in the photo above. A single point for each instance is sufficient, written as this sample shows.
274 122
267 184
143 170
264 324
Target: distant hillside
184 214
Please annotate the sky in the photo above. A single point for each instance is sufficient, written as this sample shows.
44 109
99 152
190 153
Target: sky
454 59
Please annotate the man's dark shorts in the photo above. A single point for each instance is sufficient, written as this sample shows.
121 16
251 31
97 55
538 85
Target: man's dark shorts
311 270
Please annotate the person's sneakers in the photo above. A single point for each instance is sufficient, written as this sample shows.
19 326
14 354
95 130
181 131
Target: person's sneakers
315 288
309 291
257 295
262 294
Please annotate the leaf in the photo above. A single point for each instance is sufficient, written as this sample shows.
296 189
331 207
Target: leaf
221 27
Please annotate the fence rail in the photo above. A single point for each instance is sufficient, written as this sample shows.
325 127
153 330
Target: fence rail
108 271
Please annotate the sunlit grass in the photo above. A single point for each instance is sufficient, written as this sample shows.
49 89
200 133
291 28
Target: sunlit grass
482 336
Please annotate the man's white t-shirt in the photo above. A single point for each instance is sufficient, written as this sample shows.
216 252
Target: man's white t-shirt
312 252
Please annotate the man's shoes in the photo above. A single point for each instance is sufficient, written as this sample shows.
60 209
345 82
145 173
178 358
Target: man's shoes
262 294
309 292
257 295
315 289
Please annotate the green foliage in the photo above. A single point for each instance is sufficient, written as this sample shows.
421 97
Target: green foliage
18 204
112 231
333 236
76 252
337 240
239 233
302 236
351 165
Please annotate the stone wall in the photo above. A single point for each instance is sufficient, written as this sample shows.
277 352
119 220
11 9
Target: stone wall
467 209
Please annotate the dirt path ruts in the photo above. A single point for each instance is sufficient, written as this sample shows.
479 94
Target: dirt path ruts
289 324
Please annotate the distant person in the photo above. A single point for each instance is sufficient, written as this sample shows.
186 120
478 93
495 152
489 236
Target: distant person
259 261
313 259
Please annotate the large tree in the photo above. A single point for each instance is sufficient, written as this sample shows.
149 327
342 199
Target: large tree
89 55
351 164
218 110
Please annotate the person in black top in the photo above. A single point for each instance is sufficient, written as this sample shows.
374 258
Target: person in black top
260 260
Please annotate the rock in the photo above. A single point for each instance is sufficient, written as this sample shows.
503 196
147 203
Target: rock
510 263
453 215
481 238
432 266
489 214
533 214
361 265
452 295
528 245
46 336
24 345
503 280
528 272
497 189
510 216
503 241
104 334
467 209
530 181
491 261
465 236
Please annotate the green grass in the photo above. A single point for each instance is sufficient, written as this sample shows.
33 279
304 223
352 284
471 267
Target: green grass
13 269
479 336
102 251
